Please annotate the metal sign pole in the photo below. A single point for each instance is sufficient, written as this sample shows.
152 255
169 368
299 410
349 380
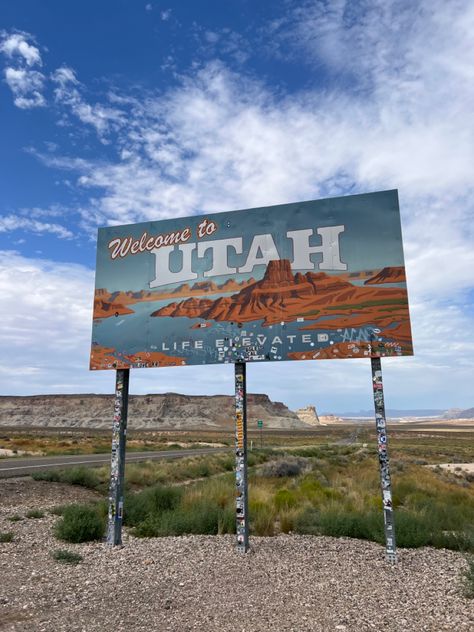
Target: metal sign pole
381 426
242 523
117 464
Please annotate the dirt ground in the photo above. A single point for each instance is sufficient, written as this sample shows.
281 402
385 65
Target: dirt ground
287 583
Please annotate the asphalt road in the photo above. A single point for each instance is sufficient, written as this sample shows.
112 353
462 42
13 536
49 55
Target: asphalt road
20 466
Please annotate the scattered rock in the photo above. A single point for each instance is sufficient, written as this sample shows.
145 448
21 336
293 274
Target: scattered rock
287 583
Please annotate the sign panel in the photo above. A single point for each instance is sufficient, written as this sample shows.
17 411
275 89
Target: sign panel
303 281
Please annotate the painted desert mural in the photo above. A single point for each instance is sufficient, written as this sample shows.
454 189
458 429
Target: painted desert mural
265 308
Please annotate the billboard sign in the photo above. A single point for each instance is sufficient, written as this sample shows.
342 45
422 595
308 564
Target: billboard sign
302 281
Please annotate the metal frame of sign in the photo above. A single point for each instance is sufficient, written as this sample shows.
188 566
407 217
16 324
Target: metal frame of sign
326 277
119 434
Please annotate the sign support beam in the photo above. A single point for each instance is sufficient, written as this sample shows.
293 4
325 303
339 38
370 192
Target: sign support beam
242 518
382 440
117 463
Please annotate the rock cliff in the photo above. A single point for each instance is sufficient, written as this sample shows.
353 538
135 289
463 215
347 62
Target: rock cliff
308 415
169 410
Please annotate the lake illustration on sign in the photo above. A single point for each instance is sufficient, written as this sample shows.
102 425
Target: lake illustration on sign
310 280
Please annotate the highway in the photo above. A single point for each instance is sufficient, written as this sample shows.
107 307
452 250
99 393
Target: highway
24 466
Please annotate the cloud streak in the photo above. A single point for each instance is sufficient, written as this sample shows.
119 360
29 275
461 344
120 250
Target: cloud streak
9 223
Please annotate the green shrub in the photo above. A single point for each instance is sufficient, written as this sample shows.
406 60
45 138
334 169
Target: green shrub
80 523
226 522
51 476
337 523
307 522
6 536
228 464
307 452
468 578
262 518
85 477
285 499
455 540
35 513
288 520
66 557
361 525
260 456
58 510
202 517
149 503
423 529
15 518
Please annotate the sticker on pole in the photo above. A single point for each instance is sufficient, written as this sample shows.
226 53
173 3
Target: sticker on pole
303 281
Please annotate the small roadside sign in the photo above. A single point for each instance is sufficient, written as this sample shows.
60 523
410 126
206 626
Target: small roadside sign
259 423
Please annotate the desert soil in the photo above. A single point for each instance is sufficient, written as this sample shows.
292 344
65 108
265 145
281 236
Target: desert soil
286 583
458 467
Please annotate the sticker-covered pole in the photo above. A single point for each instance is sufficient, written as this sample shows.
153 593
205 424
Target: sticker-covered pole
117 464
242 518
381 427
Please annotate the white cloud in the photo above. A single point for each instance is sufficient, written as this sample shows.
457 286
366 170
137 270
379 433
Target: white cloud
26 84
64 77
68 93
15 45
9 223
46 315
165 15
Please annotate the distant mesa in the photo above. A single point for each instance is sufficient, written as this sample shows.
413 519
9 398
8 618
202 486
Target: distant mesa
111 303
327 420
394 274
232 286
205 286
458 413
182 289
308 415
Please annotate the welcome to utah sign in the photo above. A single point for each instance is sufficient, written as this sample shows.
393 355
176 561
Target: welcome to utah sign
303 281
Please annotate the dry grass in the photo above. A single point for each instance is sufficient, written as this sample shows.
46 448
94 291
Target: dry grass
334 489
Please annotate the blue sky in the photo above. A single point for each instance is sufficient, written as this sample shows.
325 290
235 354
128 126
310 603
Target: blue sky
126 111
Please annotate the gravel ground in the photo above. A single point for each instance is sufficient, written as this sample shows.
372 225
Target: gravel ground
286 583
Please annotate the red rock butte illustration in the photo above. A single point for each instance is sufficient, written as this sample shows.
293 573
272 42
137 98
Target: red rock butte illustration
316 300
328 301
395 274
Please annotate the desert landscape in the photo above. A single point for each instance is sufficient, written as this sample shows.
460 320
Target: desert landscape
309 491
